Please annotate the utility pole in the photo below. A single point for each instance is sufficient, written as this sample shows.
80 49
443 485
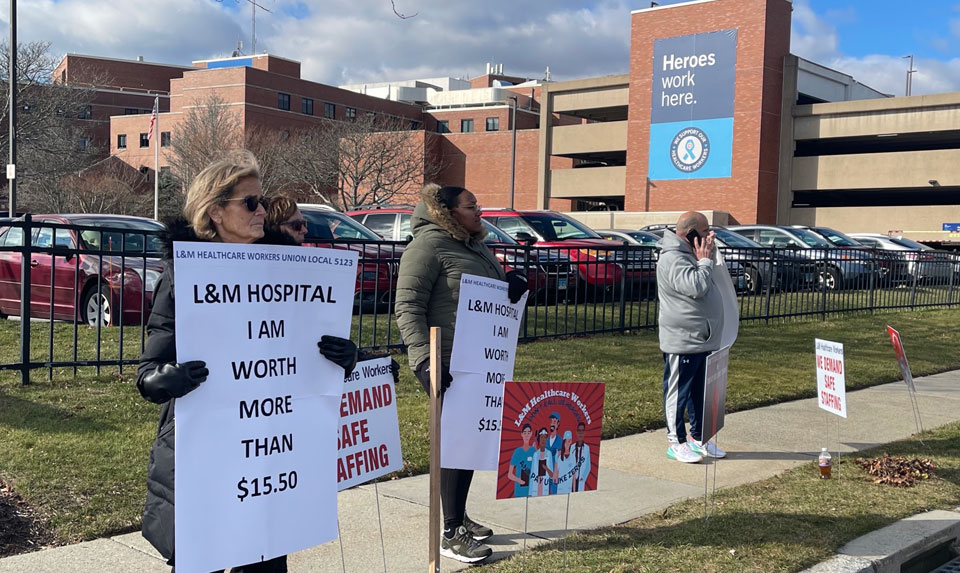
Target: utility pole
910 72
513 150
12 134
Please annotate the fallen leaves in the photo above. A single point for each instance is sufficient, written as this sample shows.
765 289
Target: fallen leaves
897 471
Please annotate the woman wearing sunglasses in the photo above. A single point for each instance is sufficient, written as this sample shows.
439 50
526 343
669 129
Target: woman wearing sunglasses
224 204
284 219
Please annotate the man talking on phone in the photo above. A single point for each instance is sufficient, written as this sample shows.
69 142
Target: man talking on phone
691 323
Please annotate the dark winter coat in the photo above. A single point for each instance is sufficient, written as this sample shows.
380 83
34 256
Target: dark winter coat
161 348
428 284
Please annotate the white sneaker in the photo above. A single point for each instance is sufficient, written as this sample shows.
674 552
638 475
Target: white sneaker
683 453
708 450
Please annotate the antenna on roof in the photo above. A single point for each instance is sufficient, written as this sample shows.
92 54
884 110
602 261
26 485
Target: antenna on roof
239 50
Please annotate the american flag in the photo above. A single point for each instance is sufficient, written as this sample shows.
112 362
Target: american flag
153 118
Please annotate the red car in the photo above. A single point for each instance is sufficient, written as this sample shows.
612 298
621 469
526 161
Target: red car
549 277
377 268
85 282
600 268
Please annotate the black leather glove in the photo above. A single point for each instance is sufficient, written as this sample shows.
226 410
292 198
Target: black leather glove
173 380
422 373
340 351
516 285
395 370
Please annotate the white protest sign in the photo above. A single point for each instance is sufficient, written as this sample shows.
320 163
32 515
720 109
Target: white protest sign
256 442
484 348
369 435
831 385
715 393
728 294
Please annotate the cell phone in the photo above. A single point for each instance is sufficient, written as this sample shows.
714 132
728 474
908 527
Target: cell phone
692 236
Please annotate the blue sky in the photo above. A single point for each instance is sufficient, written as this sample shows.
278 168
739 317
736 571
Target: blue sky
346 41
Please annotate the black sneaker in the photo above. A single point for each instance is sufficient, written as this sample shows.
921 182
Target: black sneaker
463 547
477 531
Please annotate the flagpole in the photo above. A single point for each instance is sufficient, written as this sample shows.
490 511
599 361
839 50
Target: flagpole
156 160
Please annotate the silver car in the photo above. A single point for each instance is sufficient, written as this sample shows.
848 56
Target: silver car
839 267
917 261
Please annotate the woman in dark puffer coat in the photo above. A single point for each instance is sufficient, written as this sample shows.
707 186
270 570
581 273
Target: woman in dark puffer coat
224 204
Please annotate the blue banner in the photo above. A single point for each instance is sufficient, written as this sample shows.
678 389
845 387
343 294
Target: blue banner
691 112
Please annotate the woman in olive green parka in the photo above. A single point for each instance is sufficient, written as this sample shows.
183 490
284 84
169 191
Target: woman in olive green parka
447 242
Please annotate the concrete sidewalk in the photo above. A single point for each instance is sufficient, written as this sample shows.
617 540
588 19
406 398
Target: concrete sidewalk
636 478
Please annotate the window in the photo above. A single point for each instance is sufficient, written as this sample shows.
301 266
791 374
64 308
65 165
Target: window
306 106
466 126
443 126
130 111
13 237
121 141
164 139
771 238
405 231
414 124
351 113
329 111
144 140
514 225
283 101
43 237
85 112
381 224
493 124
83 143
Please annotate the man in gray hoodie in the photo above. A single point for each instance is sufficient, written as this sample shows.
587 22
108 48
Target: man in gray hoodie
691 323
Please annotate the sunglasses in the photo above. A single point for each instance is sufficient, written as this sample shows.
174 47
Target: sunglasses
251 202
297 226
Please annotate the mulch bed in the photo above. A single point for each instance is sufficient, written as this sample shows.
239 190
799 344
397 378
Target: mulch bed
22 529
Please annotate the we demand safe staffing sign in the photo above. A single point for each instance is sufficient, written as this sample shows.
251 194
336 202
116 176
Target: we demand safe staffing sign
691 112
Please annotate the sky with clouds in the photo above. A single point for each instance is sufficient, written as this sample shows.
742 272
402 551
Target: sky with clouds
355 41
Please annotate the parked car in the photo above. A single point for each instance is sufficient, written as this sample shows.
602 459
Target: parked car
837 268
390 222
889 268
76 273
600 268
378 265
788 271
547 276
643 243
918 261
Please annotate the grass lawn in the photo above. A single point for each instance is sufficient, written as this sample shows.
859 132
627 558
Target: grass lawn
785 523
76 449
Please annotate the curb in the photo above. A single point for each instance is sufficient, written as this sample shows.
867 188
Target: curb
888 549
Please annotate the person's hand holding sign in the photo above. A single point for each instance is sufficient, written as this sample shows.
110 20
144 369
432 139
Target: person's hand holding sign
340 351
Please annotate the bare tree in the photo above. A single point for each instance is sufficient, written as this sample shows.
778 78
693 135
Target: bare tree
51 142
112 187
209 131
271 148
371 160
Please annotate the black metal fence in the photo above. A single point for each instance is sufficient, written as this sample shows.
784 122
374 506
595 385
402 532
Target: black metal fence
84 292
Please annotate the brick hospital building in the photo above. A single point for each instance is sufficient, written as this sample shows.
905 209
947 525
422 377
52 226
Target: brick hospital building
713 113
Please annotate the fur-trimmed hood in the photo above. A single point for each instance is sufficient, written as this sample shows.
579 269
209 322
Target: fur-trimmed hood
179 229
431 214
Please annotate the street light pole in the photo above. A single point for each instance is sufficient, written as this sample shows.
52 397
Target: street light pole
12 133
513 150
910 72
